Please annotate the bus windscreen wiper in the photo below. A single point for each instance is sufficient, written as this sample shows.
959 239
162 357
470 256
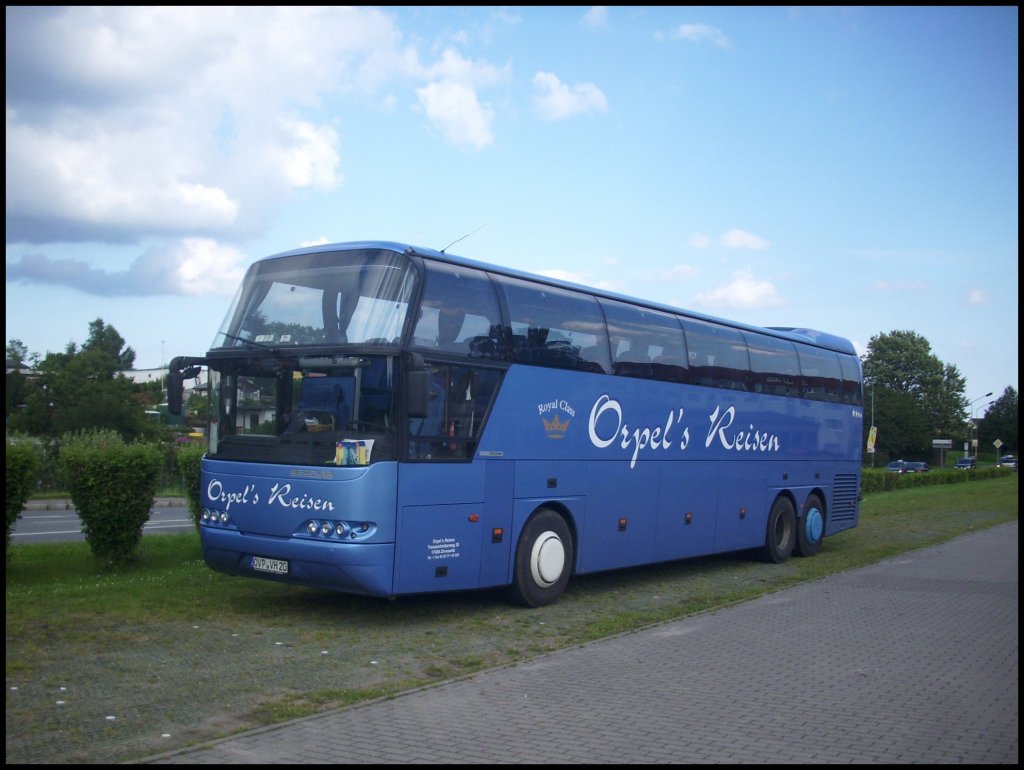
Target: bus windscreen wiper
250 342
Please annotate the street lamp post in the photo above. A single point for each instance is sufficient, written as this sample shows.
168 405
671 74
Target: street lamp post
974 423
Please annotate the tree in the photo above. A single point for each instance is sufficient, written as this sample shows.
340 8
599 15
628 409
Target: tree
81 389
917 397
1001 422
16 382
106 339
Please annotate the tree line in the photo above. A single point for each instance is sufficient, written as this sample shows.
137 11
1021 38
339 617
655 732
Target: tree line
913 398
910 396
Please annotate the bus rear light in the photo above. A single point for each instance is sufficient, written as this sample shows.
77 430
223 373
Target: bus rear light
341 529
313 527
497 535
326 528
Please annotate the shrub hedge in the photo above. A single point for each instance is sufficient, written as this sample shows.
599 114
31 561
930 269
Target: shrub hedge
112 485
881 480
189 461
23 464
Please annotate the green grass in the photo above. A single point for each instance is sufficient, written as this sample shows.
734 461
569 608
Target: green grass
170 647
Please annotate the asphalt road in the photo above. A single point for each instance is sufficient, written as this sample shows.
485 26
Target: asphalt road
55 521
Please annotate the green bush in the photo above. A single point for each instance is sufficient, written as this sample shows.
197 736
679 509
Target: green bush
190 459
881 480
23 465
112 485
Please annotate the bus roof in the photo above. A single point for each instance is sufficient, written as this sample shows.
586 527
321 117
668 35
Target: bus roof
812 336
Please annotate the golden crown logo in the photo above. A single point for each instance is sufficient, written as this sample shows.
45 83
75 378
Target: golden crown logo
555 427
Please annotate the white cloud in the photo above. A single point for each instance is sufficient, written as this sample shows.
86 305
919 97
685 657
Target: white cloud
310 157
743 292
699 240
193 266
558 101
202 266
596 16
977 297
740 239
455 110
699 33
451 101
681 273
129 122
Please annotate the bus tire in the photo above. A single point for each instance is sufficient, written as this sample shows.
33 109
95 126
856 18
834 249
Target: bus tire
544 558
780 534
811 527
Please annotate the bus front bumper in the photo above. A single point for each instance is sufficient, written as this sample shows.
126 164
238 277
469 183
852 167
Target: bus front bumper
356 568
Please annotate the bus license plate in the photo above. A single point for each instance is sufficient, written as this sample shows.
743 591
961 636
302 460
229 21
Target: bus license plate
263 564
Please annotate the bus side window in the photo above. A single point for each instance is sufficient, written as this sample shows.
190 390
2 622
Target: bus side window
551 326
718 355
774 367
645 343
458 402
458 314
852 389
823 376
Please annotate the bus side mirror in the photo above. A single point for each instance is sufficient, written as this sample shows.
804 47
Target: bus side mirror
179 370
174 392
417 386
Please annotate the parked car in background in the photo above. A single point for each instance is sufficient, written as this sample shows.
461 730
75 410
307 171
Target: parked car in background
896 466
914 467
966 463
1008 461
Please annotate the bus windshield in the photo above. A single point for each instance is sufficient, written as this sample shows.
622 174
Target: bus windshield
302 410
304 363
322 298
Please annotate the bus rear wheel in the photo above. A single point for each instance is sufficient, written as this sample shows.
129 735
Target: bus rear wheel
780 534
544 557
811 527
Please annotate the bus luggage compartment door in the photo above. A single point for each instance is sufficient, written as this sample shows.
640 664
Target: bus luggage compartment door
453 527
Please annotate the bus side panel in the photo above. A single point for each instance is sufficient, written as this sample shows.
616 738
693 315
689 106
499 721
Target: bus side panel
440 537
743 502
685 490
550 478
496 549
621 521
438 548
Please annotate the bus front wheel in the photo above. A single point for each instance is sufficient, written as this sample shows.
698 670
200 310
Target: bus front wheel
544 557
780 535
811 527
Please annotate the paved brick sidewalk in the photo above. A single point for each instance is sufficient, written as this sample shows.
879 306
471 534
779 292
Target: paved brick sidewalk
911 660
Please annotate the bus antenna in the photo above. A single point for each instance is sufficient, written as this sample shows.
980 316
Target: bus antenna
464 237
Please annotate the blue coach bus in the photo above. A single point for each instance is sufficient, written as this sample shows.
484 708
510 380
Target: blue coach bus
390 420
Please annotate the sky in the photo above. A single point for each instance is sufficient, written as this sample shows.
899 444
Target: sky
851 170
